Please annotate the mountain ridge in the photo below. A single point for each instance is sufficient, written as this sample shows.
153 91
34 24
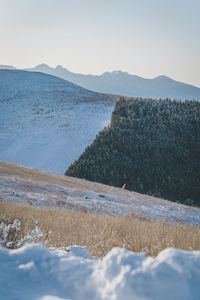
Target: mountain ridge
122 83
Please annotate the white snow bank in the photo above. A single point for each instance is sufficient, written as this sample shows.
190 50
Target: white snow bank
34 272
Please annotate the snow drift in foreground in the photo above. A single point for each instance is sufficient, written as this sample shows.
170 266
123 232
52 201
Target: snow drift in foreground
34 272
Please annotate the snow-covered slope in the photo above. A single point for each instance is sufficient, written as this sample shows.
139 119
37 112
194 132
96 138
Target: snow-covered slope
36 273
46 122
33 187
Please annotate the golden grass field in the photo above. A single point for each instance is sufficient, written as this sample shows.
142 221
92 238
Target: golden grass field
99 232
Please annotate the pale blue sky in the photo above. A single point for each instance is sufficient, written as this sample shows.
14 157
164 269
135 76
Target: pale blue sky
143 37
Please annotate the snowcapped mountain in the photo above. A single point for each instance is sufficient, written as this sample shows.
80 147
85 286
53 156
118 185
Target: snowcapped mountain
122 83
46 122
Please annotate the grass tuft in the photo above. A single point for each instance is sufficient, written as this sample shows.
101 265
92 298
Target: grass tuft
101 233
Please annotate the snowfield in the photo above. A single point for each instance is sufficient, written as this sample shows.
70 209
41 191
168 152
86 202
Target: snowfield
47 122
37 273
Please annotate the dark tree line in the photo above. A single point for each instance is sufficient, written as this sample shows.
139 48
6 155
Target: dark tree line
152 146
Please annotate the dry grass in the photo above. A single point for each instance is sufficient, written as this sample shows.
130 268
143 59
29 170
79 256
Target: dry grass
100 233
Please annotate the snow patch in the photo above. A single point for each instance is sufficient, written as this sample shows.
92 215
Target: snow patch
113 201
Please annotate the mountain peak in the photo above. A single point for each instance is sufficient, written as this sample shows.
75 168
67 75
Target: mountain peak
61 68
42 66
162 77
61 71
115 73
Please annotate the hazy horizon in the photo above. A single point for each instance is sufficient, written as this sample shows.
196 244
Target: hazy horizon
144 38
54 67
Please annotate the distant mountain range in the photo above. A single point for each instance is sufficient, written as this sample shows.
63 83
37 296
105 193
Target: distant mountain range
41 125
122 83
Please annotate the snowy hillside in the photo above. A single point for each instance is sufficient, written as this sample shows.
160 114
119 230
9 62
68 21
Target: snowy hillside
46 122
35 272
33 187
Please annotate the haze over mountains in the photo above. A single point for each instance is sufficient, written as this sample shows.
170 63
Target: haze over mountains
122 83
46 122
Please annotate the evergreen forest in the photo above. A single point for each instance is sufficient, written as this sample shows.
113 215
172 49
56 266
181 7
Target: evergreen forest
152 146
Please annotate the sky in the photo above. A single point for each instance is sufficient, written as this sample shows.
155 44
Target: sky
142 37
